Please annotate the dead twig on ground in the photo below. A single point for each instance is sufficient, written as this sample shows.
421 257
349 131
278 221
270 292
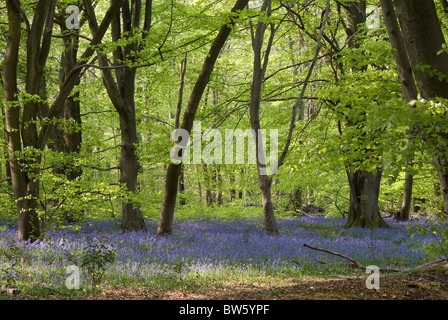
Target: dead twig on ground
355 263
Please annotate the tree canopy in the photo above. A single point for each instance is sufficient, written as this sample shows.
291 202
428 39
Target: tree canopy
348 96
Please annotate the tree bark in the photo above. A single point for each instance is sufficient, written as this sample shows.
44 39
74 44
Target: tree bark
182 200
173 171
219 198
364 193
183 69
22 132
209 186
132 217
200 192
25 185
28 222
232 191
5 146
270 224
71 134
259 67
12 110
356 14
121 92
408 87
423 38
66 138
401 57
442 165
364 185
405 209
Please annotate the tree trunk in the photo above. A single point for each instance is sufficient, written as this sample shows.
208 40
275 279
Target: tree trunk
364 193
72 136
356 14
182 200
132 216
423 38
259 67
219 199
442 164
242 192
401 57
5 146
209 184
295 199
270 224
66 138
183 69
405 209
173 171
200 192
364 185
24 134
12 114
121 92
25 186
169 200
408 87
208 197
232 191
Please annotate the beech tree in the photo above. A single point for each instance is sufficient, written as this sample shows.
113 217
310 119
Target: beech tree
260 64
25 141
121 91
408 87
68 137
173 171
359 109
364 182
423 38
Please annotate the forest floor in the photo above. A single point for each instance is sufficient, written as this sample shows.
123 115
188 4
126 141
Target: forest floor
410 286
429 283
426 286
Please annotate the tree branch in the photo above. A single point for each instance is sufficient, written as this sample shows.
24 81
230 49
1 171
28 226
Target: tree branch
354 262
73 78
302 93
69 34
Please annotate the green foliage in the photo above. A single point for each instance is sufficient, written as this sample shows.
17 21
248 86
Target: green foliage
18 257
430 119
94 258
354 116
438 229
367 106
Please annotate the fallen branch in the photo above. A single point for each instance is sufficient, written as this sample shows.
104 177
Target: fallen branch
436 265
354 262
